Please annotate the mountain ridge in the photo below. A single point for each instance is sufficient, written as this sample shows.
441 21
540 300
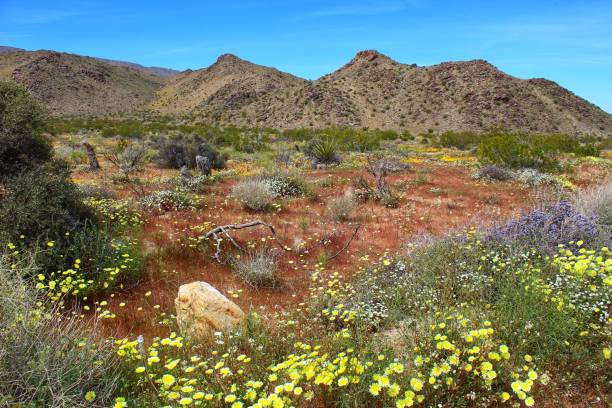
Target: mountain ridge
160 71
72 85
371 91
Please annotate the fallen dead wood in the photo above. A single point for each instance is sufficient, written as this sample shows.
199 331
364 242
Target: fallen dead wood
223 229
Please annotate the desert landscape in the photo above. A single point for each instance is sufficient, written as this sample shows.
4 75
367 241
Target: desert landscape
385 235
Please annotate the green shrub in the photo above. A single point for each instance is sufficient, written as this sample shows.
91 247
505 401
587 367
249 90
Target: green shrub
460 140
71 155
41 204
196 184
22 145
287 184
560 143
508 150
46 359
98 262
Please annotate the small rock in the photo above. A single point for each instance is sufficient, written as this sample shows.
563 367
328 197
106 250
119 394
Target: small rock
201 310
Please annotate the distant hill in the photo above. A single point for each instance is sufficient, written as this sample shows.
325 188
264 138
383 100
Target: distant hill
5 49
159 71
371 90
73 85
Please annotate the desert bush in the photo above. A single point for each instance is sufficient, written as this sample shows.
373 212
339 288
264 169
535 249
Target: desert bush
196 184
22 145
286 184
41 204
168 200
421 178
284 158
128 157
256 268
533 177
95 191
492 172
341 208
551 226
389 199
596 202
460 140
510 151
175 152
254 194
71 155
47 359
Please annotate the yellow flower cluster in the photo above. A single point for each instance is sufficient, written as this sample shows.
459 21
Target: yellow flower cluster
119 213
78 282
462 356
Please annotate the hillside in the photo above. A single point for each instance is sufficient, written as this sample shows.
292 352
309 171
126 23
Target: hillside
374 91
230 90
73 85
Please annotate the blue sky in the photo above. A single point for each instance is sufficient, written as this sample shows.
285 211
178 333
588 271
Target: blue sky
569 42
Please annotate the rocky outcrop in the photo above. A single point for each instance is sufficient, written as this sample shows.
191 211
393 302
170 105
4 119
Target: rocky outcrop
201 310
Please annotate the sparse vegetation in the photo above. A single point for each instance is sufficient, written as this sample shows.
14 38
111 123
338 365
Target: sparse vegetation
175 152
514 313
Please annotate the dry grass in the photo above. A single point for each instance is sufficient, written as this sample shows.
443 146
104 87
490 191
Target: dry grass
257 269
341 208
597 201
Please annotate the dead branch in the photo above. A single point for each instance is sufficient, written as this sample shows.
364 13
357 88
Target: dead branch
224 229
378 170
347 243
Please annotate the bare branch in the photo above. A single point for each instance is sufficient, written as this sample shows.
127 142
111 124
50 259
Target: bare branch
214 233
347 243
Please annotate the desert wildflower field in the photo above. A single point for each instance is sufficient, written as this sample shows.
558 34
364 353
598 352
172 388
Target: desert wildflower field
198 266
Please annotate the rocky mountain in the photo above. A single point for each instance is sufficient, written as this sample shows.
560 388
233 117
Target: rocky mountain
73 85
371 90
231 90
374 91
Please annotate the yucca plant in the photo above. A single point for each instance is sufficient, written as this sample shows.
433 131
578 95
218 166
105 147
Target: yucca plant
323 151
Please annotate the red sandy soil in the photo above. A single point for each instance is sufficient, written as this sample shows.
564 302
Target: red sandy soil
450 200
